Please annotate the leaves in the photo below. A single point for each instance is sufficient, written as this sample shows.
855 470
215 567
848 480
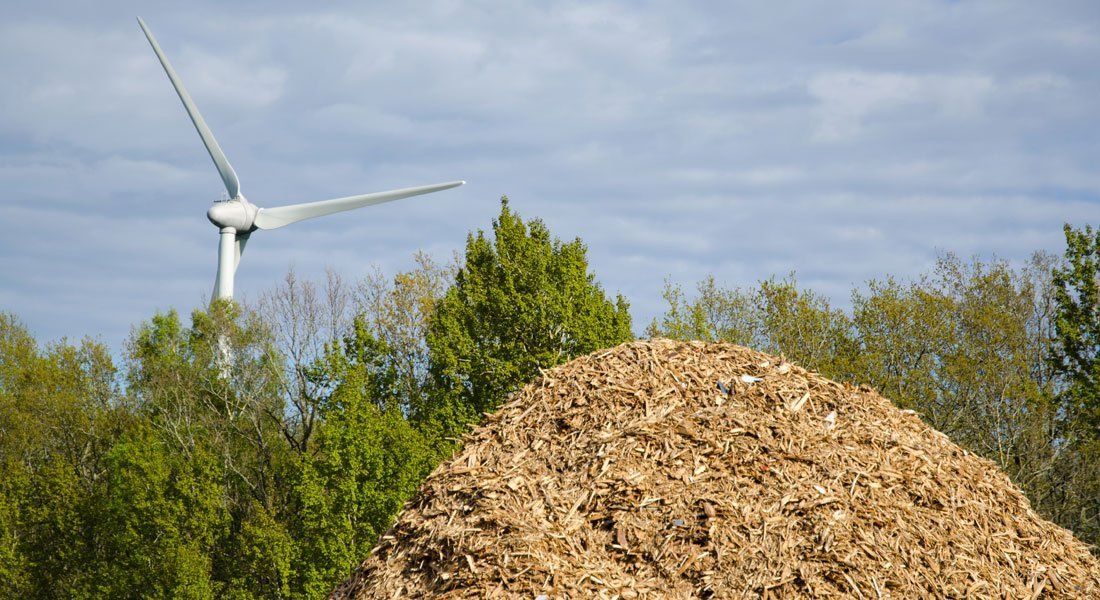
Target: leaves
1077 325
1075 356
522 301
965 346
259 451
774 317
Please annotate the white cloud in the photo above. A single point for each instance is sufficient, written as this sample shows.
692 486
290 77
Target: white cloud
235 82
848 99
845 141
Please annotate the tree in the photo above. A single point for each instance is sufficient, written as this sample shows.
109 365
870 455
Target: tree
305 323
523 301
903 334
714 314
210 393
773 317
156 521
58 420
213 387
368 460
397 312
1075 356
350 383
963 345
803 326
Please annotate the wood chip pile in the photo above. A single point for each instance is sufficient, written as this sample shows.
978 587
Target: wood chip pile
687 470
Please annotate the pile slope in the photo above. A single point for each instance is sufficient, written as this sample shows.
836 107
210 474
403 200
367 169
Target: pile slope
687 470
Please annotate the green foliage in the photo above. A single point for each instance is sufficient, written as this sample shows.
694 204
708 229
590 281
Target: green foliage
57 421
157 521
715 314
901 335
963 346
14 574
51 529
805 327
1077 324
369 460
258 558
260 453
774 317
261 457
1075 356
397 312
522 301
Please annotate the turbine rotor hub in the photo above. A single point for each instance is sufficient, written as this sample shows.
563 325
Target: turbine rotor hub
238 213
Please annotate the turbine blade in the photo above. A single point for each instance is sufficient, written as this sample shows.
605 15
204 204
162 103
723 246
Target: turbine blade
271 218
229 176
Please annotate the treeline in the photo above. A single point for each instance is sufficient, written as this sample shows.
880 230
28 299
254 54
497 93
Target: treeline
259 451
1004 360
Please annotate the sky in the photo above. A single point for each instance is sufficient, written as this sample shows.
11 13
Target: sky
844 141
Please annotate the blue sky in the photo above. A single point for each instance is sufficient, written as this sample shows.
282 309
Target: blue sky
844 140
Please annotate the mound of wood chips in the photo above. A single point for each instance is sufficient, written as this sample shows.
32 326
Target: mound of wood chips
687 470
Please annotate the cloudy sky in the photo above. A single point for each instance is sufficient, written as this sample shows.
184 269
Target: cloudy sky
843 140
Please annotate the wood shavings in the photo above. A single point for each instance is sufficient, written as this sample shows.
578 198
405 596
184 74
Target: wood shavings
791 486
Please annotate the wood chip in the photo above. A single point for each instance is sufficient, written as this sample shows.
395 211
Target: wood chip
841 496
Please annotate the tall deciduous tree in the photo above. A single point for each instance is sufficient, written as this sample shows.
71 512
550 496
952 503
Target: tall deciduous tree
776 316
210 394
1077 326
367 462
58 419
396 312
1075 355
963 345
305 321
714 314
522 301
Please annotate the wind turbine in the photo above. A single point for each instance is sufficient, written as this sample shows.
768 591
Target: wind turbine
237 218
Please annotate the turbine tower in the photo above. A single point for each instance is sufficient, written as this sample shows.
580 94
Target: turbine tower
236 218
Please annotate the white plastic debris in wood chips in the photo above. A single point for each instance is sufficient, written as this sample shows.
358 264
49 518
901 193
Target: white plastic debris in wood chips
666 469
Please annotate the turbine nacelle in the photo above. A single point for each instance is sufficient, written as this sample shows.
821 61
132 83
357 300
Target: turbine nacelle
237 218
238 213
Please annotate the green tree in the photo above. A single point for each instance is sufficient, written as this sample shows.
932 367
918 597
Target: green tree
213 387
963 346
156 521
714 314
1075 356
903 335
211 394
803 326
522 301
776 316
58 418
1077 324
14 575
368 461
397 313
258 557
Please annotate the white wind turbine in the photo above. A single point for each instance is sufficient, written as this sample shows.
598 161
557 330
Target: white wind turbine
236 217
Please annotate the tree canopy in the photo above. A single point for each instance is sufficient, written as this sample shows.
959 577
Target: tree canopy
259 451
521 301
